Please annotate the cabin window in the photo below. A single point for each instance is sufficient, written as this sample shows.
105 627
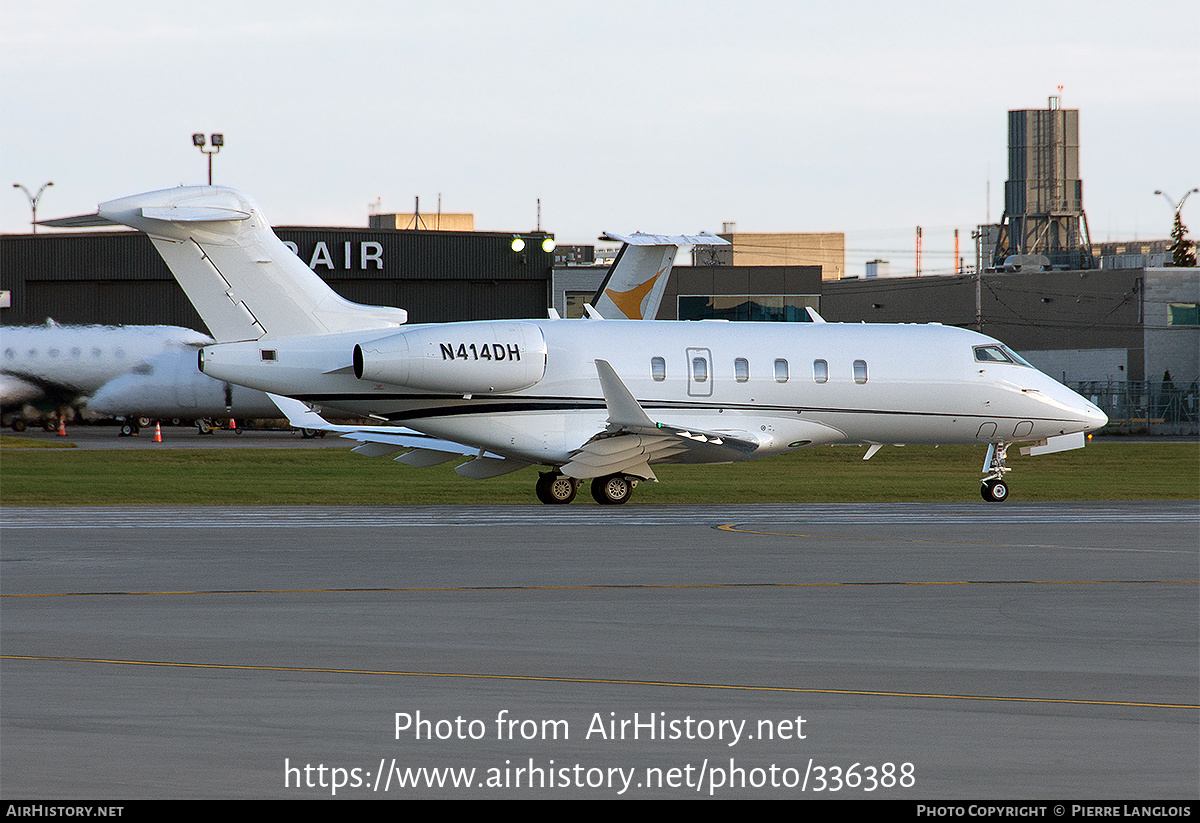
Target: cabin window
658 368
820 371
268 354
860 371
781 371
699 369
741 370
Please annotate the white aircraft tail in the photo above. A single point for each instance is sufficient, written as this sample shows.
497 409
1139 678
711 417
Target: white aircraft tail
634 286
245 283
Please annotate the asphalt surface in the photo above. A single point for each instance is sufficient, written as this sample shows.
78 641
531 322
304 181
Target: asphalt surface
944 651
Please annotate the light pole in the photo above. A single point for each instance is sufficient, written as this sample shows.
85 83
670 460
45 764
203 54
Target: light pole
1177 207
218 140
33 200
1181 247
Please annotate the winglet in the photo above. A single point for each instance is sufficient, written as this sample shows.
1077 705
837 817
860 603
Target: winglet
623 408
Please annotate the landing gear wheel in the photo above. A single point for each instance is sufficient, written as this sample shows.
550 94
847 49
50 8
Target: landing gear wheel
128 429
994 491
555 489
18 425
612 490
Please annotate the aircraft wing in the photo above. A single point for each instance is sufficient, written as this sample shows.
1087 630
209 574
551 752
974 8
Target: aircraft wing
632 440
377 441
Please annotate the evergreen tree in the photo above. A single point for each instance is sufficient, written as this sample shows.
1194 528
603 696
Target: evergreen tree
1181 248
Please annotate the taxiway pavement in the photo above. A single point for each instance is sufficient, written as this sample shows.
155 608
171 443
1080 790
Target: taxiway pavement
1026 651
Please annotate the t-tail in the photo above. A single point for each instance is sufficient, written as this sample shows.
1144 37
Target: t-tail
634 286
245 283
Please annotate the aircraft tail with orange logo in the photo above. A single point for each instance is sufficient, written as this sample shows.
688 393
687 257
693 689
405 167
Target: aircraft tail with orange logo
634 286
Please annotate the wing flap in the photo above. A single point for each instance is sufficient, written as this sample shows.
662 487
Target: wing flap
424 458
481 468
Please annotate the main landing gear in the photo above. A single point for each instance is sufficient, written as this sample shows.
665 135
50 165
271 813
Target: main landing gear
554 488
612 490
994 489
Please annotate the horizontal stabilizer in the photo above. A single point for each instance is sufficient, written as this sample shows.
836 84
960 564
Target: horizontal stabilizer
82 221
642 239
194 214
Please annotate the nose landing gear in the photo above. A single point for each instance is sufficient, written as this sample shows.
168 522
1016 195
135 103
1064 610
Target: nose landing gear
994 489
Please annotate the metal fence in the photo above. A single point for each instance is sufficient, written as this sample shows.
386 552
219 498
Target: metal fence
1154 407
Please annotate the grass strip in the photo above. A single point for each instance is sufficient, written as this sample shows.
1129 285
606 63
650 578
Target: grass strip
245 476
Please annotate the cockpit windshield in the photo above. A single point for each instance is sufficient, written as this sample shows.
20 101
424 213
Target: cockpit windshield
999 354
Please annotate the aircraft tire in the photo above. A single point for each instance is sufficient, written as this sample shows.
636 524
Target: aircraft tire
555 489
18 424
612 490
994 491
127 430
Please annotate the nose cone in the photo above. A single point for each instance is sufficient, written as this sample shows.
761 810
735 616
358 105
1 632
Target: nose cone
125 394
1095 419
1087 413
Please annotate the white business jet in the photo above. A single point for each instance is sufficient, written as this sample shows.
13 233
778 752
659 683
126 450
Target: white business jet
58 367
592 399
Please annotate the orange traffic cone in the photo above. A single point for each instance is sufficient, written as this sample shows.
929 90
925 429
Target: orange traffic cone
232 424
62 426
158 432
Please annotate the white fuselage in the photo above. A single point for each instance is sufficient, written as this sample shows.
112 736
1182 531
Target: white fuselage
69 362
760 381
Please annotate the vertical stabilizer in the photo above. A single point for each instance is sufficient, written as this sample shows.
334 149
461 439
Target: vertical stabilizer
245 283
634 286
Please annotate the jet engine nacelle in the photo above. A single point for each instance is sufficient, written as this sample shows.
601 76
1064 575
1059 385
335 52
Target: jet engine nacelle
461 358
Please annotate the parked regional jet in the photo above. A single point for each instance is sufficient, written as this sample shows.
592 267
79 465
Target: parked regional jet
57 367
591 399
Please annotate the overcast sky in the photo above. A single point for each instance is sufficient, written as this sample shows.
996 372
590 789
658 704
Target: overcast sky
868 118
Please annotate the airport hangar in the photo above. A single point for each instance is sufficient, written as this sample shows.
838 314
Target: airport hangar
1098 324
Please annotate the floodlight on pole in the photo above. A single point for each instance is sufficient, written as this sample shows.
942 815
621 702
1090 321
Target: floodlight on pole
1177 207
33 201
217 141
